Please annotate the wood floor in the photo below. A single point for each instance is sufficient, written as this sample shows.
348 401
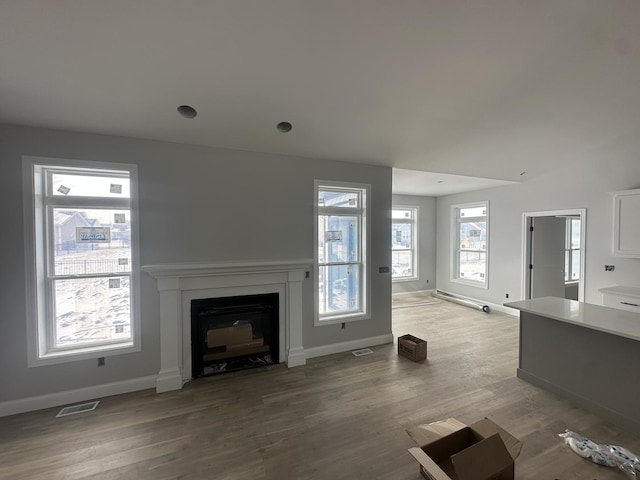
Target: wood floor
338 417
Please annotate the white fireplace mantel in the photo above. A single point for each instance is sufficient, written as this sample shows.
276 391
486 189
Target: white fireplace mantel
180 283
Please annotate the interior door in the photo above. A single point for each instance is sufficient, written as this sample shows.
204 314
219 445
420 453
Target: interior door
547 257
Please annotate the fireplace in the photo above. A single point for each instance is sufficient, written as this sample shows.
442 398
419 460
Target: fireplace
180 284
233 333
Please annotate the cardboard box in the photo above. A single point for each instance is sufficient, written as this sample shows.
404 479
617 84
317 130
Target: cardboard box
250 348
234 335
413 348
480 451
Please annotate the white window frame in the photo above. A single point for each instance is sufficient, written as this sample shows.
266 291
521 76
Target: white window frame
364 261
414 242
569 251
456 241
40 316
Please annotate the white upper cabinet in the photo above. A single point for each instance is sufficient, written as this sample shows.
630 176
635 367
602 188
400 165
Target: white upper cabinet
626 223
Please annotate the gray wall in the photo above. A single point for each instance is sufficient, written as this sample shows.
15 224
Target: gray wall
196 204
579 185
426 243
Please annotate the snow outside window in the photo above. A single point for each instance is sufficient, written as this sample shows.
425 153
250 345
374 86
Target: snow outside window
471 237
404 241
82 230
341 252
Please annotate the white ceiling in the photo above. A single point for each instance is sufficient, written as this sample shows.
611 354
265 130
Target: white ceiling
479 88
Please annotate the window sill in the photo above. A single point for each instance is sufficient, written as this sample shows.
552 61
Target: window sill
471 283
404 279
345 318
88 353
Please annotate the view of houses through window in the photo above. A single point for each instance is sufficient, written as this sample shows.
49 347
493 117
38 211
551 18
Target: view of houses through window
341 243
471 243
404 243
83 252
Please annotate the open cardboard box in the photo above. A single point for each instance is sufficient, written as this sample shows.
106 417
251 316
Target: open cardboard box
451 450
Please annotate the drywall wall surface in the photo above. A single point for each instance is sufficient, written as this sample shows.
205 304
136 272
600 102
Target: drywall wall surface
426 243
197 204
580 184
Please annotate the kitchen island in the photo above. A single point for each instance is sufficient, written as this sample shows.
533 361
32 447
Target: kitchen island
587 353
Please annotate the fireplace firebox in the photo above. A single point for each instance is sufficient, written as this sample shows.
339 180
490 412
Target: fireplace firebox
234 333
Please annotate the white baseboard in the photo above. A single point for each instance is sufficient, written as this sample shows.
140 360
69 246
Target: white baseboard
31 404
416 292
347 346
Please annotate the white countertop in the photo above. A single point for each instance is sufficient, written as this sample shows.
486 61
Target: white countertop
622 290
597 317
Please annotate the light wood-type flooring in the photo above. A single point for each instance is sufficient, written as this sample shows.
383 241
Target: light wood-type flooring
338 417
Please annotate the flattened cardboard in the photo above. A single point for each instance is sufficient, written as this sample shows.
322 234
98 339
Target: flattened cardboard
234 335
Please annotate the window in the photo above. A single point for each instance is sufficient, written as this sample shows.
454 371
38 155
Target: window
471 238
341 252
81 228
404 243
572 251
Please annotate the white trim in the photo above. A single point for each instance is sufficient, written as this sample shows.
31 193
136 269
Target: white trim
348 346
415 242
178 284
415 292
34 283
365 262
30 404
524 260
454 242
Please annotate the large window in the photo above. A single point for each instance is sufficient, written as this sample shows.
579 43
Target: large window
341 252
471 243
404 241
81 228
572 251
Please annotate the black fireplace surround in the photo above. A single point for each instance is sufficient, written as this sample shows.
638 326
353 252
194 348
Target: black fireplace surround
234 333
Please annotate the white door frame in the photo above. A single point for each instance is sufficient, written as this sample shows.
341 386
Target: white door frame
526 245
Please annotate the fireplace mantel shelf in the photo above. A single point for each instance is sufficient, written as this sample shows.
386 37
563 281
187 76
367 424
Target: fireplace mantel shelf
172 270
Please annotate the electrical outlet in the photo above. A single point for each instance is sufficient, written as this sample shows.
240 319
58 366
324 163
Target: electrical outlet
609 268
101 362
383 269
344 325
506 295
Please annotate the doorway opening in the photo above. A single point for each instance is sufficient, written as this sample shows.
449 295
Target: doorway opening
554 254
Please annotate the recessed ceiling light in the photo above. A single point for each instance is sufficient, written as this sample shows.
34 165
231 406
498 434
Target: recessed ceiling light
284 127
187 111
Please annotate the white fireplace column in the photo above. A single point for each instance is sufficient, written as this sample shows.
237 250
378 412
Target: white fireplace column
178 284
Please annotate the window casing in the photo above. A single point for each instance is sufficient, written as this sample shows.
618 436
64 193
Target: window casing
82 280
572 250
471 244
341 252
404 241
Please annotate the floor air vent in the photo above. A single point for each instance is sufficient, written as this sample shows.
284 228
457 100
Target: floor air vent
73 409
362 351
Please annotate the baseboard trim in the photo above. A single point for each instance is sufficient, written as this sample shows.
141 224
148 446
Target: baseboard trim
416 292
347 346
40 402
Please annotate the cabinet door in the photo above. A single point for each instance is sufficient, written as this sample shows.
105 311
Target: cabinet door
626 232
